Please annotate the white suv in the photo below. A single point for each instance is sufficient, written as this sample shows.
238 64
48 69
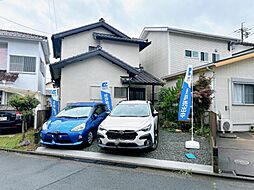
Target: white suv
131 125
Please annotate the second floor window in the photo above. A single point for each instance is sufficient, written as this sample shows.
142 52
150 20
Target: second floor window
203 56
22 64
215 57
189 53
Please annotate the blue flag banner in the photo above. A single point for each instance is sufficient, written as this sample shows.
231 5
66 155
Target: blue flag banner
185 99
54 102
105 94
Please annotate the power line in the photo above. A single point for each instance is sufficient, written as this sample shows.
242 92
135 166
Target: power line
243 31
6 19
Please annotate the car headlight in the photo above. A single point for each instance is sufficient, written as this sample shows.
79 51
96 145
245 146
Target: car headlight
101 128
45 126
79 128
147 128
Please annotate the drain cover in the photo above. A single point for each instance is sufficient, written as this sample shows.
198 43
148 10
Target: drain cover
242 162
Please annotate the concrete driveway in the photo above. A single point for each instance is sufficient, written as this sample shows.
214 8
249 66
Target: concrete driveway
236 155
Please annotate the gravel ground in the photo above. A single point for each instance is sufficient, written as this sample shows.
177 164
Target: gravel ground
170 147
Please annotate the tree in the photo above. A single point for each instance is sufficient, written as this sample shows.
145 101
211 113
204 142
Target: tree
202 98
168 99
25 105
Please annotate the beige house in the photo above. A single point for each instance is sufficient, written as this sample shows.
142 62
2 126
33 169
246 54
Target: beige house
233 83
95 53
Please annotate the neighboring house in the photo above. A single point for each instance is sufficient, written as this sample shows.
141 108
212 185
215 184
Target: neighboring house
172 49
23 59
95 53
233 84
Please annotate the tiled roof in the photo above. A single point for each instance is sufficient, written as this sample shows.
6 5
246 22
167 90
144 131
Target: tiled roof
11 77
16 34
55 68
137 75
143 78
142 43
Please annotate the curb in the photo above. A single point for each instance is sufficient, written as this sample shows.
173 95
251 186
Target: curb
119 164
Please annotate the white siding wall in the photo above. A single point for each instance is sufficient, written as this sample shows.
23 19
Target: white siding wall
180 43
79 43
41 78
127 52
24 48
155 57
77 79
239 114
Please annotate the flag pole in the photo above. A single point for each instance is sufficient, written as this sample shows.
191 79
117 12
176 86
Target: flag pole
192 144
192 108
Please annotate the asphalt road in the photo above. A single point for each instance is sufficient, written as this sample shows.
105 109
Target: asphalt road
27 172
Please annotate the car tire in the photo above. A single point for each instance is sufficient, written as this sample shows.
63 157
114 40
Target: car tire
156 140
89 138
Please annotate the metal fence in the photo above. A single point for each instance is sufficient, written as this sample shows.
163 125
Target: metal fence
42 116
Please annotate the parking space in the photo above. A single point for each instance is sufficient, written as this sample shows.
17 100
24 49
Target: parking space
170 147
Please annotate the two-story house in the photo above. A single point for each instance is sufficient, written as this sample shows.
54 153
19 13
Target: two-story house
95 53
23 59
228 61
172 49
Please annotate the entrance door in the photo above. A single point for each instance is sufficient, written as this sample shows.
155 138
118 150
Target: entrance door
137 94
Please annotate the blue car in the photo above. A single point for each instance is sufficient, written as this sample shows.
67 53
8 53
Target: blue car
76 124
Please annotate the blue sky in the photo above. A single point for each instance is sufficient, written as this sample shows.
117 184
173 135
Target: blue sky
129 16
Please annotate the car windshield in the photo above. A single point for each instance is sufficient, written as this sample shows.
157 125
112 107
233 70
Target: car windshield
130 110
75 111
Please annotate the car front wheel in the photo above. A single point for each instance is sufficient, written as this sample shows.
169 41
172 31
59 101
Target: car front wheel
156 140
89 138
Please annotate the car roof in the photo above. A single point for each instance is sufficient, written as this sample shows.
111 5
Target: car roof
134 102
92 104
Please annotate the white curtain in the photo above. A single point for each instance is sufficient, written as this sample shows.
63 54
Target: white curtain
238 93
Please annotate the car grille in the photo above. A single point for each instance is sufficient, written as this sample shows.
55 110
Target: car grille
122 144
124 135
58 138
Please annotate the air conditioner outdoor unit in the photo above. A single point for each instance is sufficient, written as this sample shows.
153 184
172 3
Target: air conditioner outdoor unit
225 125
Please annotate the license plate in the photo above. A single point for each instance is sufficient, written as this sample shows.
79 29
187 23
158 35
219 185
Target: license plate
3 118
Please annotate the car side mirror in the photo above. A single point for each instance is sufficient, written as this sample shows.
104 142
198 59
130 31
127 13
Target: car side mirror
155 113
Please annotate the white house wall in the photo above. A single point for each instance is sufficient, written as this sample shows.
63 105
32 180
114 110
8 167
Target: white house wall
24 48
155 57
41 78
127 52
77 80
179 43
79 43
241 116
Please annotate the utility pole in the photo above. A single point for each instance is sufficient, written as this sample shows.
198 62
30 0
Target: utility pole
244 32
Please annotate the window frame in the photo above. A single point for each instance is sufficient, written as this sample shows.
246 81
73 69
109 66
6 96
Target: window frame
192 53
217 57
204 53
242 82
23 72
121 96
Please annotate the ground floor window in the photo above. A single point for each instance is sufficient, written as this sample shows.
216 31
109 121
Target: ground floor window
120 92
243 93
